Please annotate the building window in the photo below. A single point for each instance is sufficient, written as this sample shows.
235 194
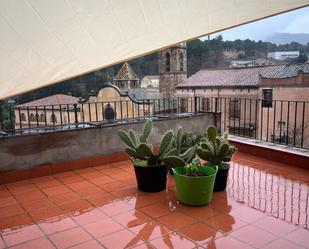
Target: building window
234 111
267 98
37 117
206 104
53 118
42 118
183 105
167 62
32 118
22 117
181 62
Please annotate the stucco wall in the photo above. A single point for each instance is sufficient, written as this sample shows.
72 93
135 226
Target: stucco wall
50 148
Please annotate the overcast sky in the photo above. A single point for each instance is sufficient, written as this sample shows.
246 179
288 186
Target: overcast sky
292 22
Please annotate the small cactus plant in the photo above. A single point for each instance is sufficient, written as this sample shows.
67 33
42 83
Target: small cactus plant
184 141
139 148
215 149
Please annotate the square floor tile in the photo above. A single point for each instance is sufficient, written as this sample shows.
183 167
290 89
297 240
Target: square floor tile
70 237
150 230
77 206
172 240
61 189
282 244
247 214
92 244
275 226
121 239
57 225
253 236
21 235
156 210
227 243
199 213
131 218
103 227
225 222
115 207
41 243
200 233
12 222
11 210
300 237
90 216
176 220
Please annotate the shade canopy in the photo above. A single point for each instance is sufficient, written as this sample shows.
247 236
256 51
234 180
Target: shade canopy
47 41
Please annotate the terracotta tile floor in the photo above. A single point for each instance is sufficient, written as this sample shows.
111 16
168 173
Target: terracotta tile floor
266 205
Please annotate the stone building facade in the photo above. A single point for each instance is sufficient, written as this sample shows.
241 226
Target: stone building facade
172 68
255 101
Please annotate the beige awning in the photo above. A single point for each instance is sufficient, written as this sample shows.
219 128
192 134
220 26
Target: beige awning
46 41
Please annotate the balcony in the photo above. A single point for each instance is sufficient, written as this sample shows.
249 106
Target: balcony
73 188
265 206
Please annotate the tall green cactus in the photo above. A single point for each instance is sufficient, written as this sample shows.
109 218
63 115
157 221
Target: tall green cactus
185 144
215 149
139 148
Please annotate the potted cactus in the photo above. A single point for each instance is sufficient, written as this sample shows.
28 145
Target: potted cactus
149 166
216 151
195 183
184 142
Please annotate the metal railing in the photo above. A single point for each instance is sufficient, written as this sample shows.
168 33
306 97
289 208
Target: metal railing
21 120
277 121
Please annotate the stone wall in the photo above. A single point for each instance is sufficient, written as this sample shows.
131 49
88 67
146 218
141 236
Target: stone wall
51 148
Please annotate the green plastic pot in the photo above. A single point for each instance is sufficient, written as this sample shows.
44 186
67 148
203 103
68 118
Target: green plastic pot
195 191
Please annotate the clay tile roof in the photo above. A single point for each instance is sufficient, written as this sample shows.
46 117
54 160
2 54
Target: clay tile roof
57 99
288 71
233 77
126 73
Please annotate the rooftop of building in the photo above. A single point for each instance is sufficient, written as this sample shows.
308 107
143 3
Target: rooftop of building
229 77
126 73
57 99
288 71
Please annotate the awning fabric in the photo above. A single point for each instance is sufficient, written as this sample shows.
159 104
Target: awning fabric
46 41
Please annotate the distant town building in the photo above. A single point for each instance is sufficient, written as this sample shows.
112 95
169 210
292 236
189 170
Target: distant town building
229 54
283 55
150 81
250 63
172 68
58 109
126 78
241 87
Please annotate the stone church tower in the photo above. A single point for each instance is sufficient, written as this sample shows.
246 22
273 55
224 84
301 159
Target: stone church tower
172 68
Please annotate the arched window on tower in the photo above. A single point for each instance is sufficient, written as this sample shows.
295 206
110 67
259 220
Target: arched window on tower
167 62
181 61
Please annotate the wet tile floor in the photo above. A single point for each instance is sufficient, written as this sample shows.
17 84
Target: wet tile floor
266 205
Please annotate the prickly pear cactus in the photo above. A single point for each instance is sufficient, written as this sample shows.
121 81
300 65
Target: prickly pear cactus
139 148
215 149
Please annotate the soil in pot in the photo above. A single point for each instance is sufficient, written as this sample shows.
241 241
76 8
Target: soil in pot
151 178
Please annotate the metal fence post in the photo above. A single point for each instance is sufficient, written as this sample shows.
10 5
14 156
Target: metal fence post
75 114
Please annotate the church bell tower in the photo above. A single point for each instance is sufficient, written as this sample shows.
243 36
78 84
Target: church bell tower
172 68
